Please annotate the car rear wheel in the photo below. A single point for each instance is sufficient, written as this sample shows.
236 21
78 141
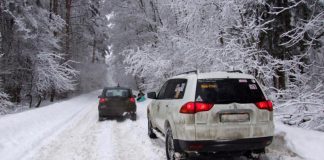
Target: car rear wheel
150 132
133 117
101 118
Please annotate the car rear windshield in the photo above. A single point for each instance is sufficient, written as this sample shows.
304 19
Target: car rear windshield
117 93
224 91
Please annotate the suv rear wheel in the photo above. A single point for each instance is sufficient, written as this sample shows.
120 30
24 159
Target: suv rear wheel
169 148
150 132
259 155
169 145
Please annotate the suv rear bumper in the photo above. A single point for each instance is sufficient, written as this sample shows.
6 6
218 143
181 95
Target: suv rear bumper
222 146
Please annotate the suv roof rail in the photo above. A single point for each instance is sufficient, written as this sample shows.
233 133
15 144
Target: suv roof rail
188 72
235 71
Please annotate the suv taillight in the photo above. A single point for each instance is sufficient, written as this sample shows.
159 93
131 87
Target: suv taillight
194 107
265 105
102 100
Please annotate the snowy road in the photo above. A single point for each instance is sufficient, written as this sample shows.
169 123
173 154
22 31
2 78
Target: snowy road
70 130
85 138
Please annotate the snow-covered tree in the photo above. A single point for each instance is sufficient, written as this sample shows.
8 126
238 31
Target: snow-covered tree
303 97
4 103
44 43
4 100
279 42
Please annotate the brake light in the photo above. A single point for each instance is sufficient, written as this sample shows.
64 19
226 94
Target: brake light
200 107
132 100
102 100
194 107
188 108
265 105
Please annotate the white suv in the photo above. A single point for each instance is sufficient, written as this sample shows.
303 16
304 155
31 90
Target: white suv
204 113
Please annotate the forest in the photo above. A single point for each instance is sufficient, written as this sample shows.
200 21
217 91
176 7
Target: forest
50 49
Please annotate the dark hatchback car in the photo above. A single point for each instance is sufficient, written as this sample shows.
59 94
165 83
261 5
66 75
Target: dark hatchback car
115 102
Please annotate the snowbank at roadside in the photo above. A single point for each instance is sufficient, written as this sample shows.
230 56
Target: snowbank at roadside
21 133
308 144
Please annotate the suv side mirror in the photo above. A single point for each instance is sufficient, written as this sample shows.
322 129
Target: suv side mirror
151 95
100 96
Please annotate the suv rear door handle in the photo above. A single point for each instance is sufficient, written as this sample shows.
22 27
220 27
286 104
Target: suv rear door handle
167 105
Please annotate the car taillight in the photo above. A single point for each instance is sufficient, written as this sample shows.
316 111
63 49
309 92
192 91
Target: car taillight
132 100
102 100
265 105
194 107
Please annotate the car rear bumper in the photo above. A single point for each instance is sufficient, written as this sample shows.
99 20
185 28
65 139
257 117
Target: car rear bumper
104 113
115 112
247 144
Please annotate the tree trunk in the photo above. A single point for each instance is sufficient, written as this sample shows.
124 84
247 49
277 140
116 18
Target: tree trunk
280 80
38 3
272 40
30 100
55 7
94 49
52 95
51 9
68 4
39 101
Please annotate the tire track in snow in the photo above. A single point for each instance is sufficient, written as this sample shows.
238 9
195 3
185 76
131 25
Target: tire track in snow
84 138
130 139
77 141
105 142
278 149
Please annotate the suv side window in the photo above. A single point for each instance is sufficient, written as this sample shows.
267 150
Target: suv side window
175 89
161 94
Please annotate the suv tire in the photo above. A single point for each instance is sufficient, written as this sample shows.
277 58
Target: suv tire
169 148
150 132
257 156
169 145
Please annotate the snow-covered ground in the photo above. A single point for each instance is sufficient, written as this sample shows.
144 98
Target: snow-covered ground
70 130
308 144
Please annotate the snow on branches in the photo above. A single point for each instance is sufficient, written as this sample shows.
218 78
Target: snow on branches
33 61
4 103
50 73
262 38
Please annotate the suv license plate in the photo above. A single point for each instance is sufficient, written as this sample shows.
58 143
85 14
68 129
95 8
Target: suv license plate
235 117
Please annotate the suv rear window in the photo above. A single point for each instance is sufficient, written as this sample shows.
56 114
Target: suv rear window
224 91
117 93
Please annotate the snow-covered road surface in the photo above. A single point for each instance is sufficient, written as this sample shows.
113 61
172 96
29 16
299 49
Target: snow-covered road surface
70 130
89 139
